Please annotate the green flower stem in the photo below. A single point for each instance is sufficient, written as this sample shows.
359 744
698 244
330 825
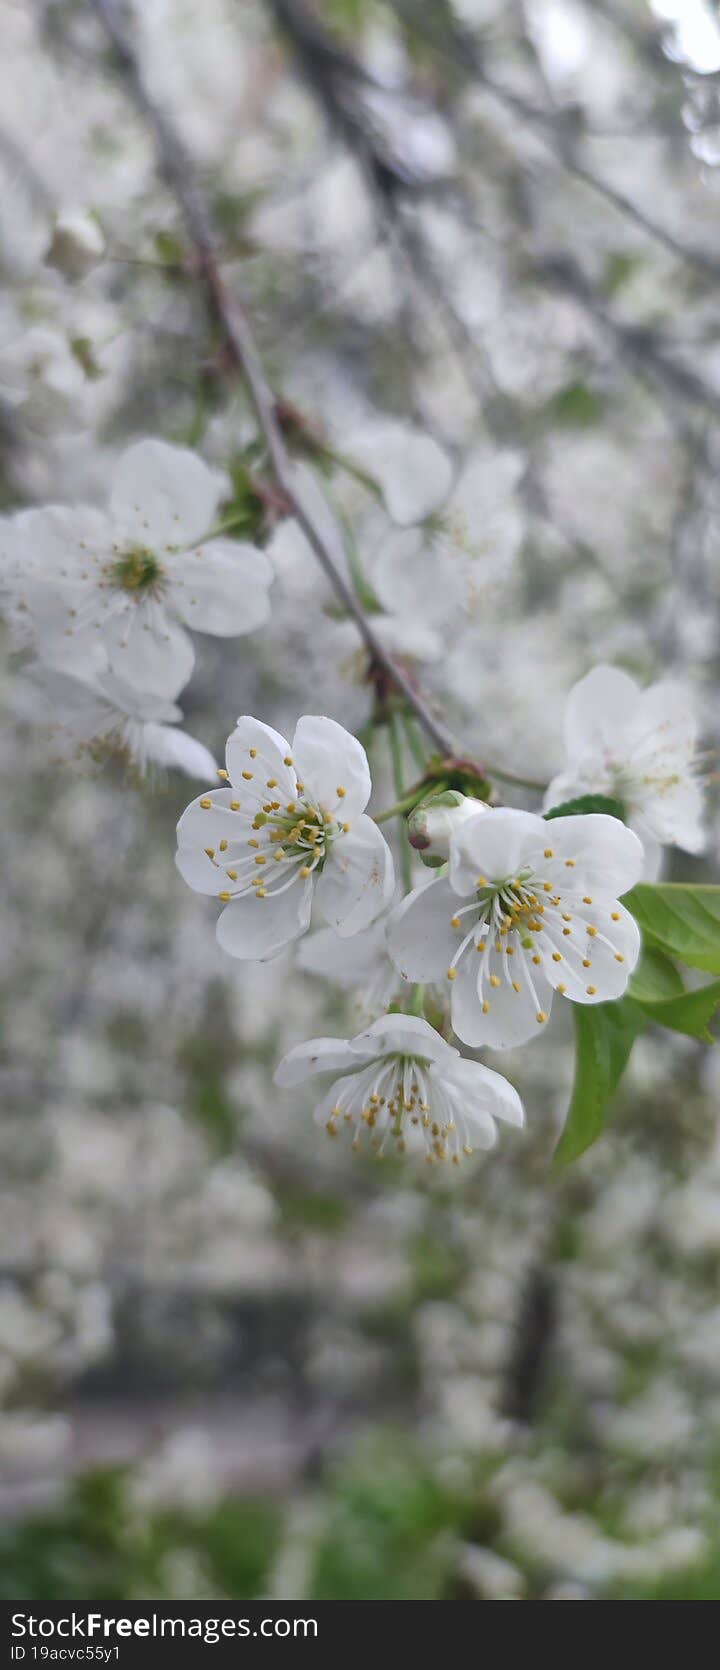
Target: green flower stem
509 777
415 742
417 1001
402 807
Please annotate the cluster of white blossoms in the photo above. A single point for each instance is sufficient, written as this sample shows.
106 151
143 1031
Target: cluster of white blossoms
524 907
521 906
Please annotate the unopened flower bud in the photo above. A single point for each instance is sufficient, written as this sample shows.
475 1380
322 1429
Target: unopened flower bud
431 824
77 243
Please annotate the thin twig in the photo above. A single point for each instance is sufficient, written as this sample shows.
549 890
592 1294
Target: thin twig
177 168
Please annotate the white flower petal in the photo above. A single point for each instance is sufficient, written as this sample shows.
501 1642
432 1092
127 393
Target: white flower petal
421 940
205 825
358 879
167 745
405 1035
221 588
511 1017
147 648
318 1055
591 854
598 944
328 759
163 495
258 929
495 846
412 471
486 1091
199 871
599 709
257 749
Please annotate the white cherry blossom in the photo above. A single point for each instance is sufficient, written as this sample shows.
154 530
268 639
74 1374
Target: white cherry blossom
108 717
136 577
413 473
528 908
640 746
399 1086
289 826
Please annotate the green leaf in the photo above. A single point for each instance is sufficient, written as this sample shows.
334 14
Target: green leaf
575 406
587 803
619 267
655 977
604 1037
683 920
690 1012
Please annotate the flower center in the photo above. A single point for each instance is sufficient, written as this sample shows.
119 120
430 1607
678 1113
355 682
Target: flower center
136 570
380 1103
299 830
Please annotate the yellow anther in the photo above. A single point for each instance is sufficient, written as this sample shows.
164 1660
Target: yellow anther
587 900
619 958
291 806
547 887
288 759
486 1007
497 946
586 962
515 986
206 803
494 980
549 852
253 753
452 974
615 916
340 792
541 1017
537 960
481 881
305 871
455 922
569 863
232 874
278 855
591 990
260 893
210 852
481 945
252 842
566 916
222 773
592 932
224 896
222 846
345 827
556 957
331 1129
260 858
234 805
561 989
467 1150
248 776
271 783
567 932
510 950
